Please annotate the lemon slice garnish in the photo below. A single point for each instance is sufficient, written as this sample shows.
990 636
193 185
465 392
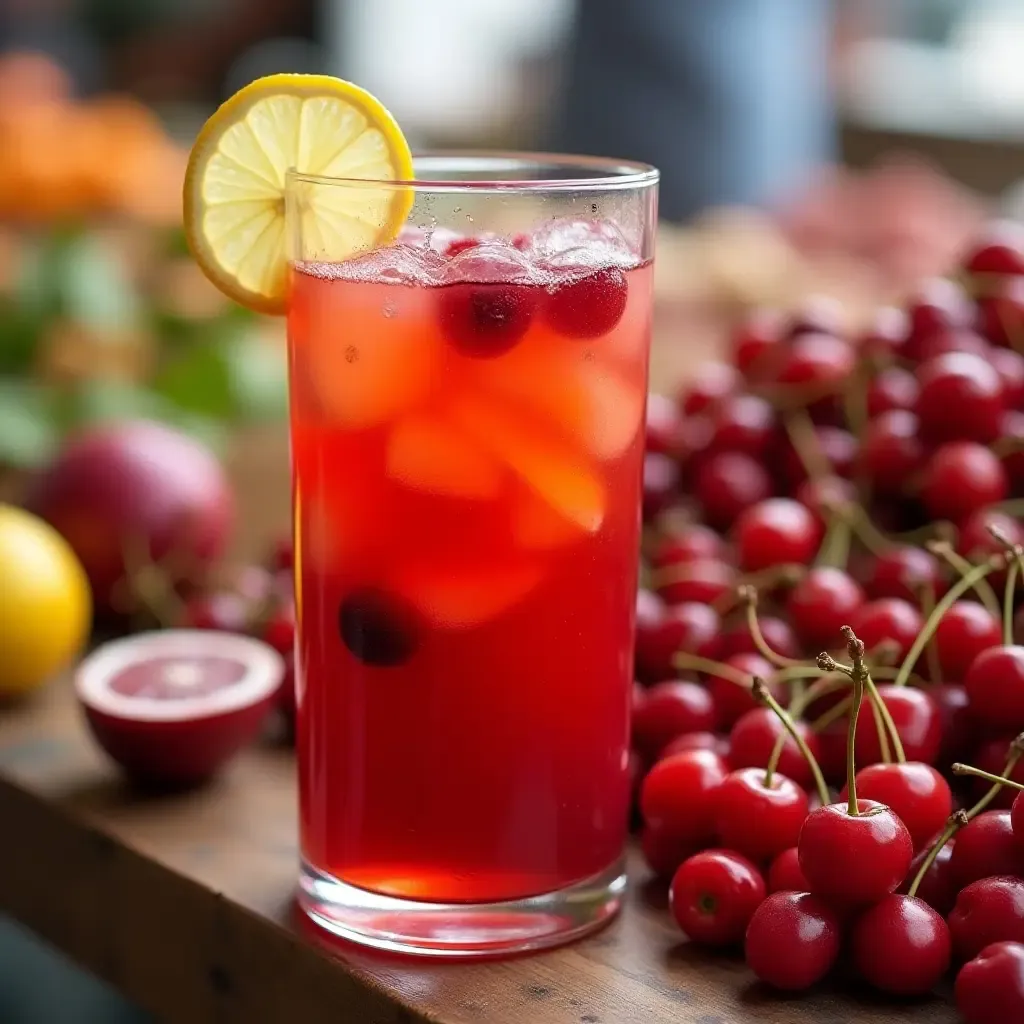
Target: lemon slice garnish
235 182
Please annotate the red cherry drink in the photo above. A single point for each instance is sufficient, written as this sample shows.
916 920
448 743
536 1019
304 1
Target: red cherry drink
467 446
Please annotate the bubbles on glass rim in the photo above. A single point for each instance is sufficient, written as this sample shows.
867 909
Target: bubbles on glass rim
557 252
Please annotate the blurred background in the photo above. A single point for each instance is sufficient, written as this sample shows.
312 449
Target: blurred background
822 147
845 147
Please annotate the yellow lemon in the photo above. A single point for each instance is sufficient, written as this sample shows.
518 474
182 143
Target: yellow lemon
235 182
45 604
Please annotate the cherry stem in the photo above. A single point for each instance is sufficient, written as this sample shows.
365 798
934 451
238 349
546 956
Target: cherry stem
953 825
805 443
835 548
764 696
1015 754
961 566
747 594
824 685
869 535
856 650
1014 553
926 595
956 591
997 780
685 661
884 724
1011 586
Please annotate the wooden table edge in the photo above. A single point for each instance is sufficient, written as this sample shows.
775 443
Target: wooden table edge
102 903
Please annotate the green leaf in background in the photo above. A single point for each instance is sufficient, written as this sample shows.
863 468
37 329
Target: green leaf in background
259 379
19 334
239 377
94 288
29 431
102 401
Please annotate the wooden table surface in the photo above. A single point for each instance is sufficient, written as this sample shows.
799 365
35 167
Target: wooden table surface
185 902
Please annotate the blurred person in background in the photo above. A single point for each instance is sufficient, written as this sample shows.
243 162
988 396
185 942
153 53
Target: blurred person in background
731 99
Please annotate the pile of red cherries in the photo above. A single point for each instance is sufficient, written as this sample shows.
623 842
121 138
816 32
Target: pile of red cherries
830 700
255 600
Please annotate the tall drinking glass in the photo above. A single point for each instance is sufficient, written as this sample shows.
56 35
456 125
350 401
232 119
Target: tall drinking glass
467 431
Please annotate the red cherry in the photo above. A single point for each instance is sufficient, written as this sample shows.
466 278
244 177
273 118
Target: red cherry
757 346
1013 461
985 846
901 946
946 341
663 851
590 306
966 630
914 791
742 423
995 687
824 494
710 383
753 738
999 252
888 620
279 629
901 571
976 543
703 580
992 756
486 320
223 610
662 631
838 447
989 910
937 887
775 532
727 483
821 603
660 484
961 398
698 741
778 634
732 701
892 388
818 314
959 733
663 425
854 859
892 450
917 721
785 875
714 895
282 557
961 477
940 304
689 544
678 795
1001 313
990 988
1009 364
887 335
792 940
1017 821
668 710
820 360
756 820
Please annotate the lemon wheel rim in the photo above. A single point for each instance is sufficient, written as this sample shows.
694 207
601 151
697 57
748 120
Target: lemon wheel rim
238 173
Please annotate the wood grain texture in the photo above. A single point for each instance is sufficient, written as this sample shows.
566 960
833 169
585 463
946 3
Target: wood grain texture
185 902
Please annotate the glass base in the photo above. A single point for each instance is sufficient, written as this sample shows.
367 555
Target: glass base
461 929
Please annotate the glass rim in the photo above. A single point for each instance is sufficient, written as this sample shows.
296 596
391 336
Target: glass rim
607 174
